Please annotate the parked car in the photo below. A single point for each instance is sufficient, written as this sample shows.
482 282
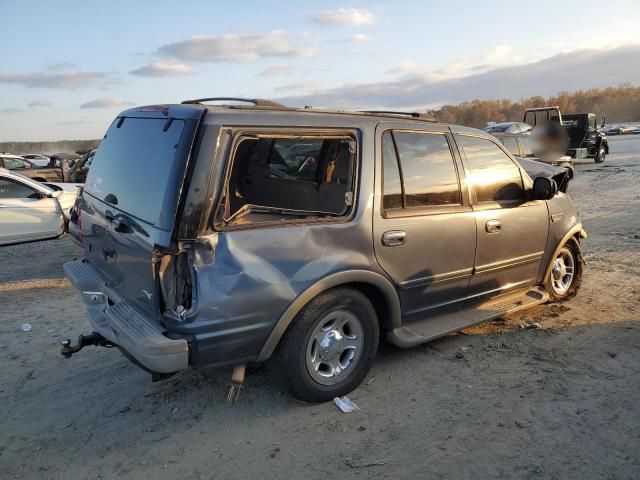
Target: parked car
55 171
209 241
30 210
37 159
508 127
618 130
521 146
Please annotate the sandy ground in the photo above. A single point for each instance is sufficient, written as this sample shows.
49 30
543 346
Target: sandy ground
560 402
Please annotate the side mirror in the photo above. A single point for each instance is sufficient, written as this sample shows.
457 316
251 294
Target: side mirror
544 188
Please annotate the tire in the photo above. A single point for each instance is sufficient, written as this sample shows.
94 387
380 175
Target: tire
599 158
337 331
567 262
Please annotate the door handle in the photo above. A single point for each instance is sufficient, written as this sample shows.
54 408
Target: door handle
493 226
393 238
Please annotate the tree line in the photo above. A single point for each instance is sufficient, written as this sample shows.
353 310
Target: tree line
618 104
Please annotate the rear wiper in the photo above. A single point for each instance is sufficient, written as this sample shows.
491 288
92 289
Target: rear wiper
250 208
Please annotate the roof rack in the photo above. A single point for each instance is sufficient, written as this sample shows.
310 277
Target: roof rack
424 116
258 102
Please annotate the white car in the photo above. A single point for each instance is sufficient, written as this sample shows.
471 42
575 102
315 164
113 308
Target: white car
30 210
37 159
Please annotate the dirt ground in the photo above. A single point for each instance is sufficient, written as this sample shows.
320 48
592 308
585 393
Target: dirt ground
558 402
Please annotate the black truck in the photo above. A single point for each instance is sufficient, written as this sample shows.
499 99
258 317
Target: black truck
585 140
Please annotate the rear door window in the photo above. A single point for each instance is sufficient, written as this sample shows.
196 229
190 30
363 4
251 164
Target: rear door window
135 164
392 196
494 175
428 169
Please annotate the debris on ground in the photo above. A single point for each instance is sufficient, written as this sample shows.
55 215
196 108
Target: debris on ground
346 405
26 327
531 326
459 355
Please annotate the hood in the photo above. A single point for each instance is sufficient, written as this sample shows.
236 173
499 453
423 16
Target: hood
536 169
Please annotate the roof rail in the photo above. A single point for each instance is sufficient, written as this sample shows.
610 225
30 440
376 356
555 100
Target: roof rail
258 102
424 116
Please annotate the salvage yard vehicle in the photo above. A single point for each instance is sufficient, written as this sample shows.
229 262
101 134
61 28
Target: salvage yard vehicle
585 140
520 146
229 234
78 171
28 169
37 159
30 210
508 127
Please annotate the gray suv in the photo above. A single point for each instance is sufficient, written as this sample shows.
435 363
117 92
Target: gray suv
230 234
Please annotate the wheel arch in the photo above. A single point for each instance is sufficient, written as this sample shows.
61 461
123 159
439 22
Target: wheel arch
376 287
576 232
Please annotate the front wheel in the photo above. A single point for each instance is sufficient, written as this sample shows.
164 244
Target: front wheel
330 347
565 276
599 158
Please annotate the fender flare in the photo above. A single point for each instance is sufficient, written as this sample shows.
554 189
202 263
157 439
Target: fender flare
382 283
575 230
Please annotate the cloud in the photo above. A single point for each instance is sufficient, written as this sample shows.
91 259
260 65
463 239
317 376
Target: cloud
237 48
299 87
360 37
163 69
344 17
61 67
582 69
65 81
10 110
74 122
278 71
40 103
106 102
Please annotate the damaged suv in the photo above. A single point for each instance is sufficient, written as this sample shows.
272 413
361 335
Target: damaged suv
229 234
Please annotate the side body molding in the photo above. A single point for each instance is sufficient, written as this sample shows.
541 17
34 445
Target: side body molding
381 283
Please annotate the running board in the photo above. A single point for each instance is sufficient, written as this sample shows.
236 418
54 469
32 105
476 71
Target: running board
422 331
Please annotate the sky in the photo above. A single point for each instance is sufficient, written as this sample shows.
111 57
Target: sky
68 67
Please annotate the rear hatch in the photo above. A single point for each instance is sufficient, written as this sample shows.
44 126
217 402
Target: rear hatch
132 195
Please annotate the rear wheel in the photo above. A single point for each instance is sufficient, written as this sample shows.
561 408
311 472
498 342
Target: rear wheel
330 347
600 155
565 276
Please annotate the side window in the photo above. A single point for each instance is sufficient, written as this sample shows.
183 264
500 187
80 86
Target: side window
428 169
14 163
12 189
277 176
511 144
494 176
392 185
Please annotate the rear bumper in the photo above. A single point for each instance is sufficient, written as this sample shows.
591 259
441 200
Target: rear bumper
122 324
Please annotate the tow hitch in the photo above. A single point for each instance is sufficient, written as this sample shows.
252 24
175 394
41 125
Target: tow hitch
84 341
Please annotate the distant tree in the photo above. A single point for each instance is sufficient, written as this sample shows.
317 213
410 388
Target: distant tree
618 104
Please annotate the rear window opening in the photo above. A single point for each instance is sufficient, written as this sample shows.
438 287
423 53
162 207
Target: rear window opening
277 177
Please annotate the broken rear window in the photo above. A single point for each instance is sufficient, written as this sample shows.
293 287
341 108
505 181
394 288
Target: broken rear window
278 176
